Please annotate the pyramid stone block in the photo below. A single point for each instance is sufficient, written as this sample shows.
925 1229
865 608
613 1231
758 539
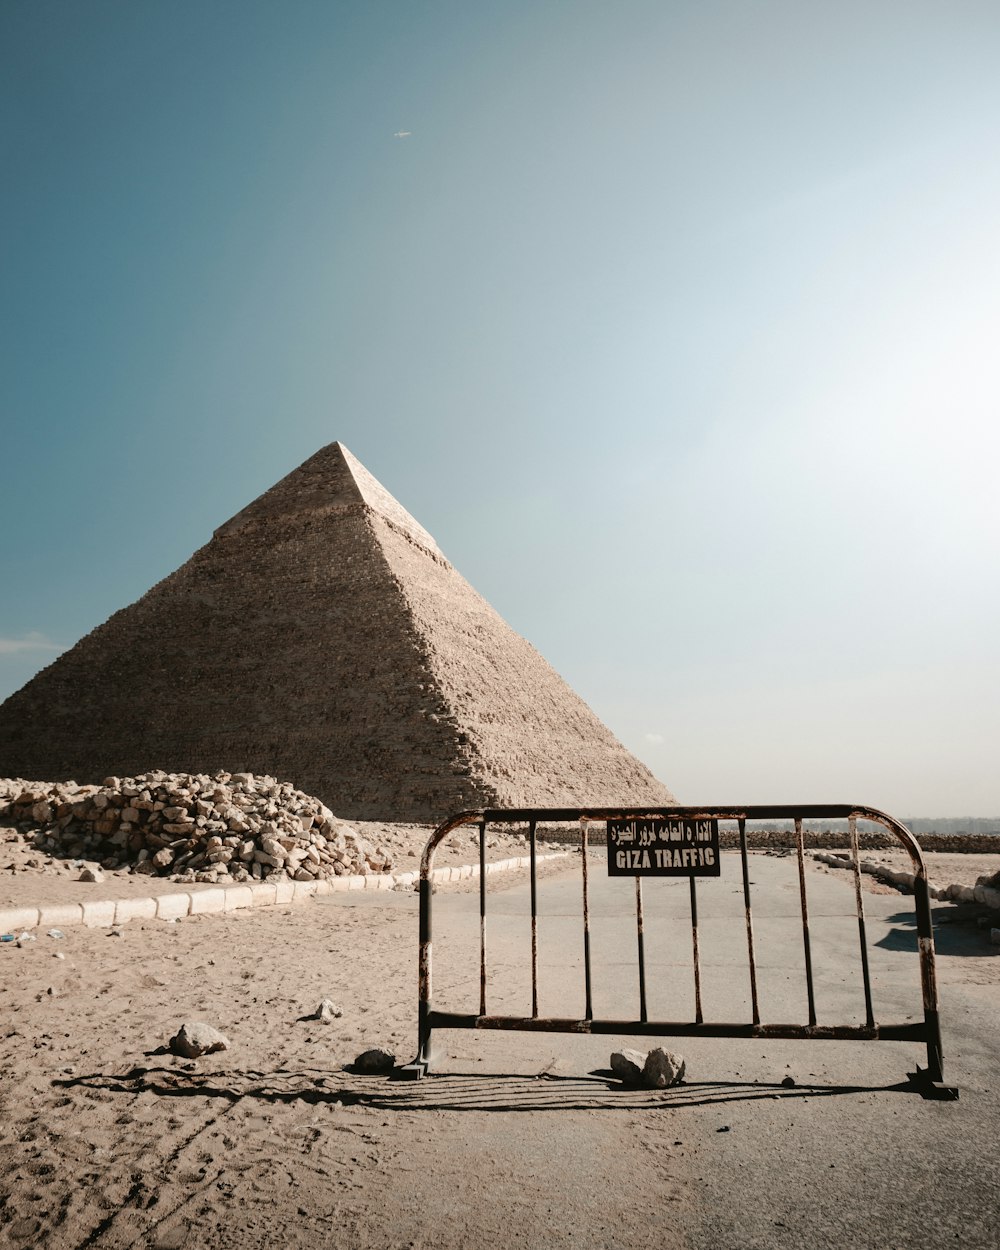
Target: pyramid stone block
322 637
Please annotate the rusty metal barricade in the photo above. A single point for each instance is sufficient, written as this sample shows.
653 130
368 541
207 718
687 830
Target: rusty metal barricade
928 1031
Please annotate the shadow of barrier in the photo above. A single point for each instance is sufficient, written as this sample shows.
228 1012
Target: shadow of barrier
682 842
469 1092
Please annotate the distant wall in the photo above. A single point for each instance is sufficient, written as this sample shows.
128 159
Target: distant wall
767 839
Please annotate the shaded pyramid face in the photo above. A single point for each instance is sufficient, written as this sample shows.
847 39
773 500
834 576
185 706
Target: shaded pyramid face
322 637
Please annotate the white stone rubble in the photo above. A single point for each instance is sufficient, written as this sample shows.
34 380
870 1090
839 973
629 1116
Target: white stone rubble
192 827
375 1061
327 1011
627 1064
195 1038
663 1068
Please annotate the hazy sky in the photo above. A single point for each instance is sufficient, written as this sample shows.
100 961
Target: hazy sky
675 324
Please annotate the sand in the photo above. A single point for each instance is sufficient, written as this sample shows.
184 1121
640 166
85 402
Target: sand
95 1144
107 1140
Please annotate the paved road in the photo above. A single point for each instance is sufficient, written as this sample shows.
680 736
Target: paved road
730 1159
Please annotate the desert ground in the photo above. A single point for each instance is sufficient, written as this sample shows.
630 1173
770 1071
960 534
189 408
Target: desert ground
107 1139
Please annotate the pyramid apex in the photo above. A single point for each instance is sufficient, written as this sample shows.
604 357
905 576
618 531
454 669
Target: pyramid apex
331 479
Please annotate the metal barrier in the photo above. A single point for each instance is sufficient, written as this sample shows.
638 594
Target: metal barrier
927 1032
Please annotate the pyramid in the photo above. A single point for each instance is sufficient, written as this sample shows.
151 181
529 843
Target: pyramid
322 637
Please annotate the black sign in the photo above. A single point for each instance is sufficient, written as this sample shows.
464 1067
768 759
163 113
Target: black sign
663 848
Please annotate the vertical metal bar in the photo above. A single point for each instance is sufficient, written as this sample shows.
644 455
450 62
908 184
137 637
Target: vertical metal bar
928 977
859 896
534 924
589 1013
749 915
482 917
698 1018
424 971
642 950
800 847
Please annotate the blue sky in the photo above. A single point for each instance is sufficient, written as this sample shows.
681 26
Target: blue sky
674 324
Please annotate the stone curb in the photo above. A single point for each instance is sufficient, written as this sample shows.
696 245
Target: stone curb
983 894
102 913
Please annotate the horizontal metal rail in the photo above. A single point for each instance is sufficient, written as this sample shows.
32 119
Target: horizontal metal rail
926 1031
680 1028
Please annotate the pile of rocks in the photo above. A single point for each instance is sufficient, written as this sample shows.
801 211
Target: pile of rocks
225 827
